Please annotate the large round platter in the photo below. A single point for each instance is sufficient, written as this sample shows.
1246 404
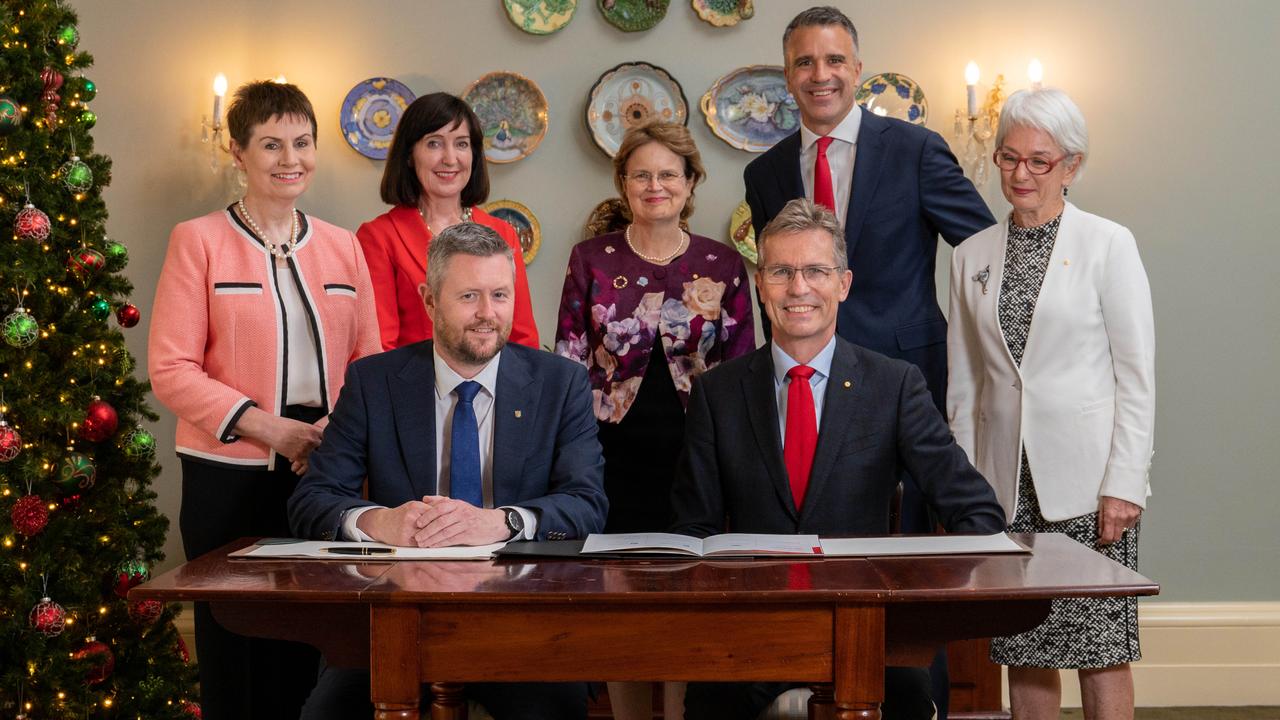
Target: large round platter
370 113
724 13
742 234
633 15
540 17
751 108
512 112
893 95
629 95
522 219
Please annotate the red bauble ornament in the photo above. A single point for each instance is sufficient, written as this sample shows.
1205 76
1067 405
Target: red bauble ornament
193 709
85 263
52 84
10 442
101 660
48 618
31 224
145 612
29 515
128 315
100 421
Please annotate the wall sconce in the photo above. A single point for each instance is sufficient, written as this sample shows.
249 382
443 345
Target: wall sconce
211 131
977 126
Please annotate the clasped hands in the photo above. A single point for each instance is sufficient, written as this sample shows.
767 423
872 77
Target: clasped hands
434 521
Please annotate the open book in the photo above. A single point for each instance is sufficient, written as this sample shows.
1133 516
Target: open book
727 545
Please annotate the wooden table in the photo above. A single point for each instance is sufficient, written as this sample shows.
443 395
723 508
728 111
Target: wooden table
832 623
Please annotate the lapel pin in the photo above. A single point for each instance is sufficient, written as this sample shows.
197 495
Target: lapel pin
518 413
848 384
1066 262
982 277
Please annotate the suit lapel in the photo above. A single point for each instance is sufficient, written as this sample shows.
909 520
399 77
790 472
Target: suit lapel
787 170
1066 248
762 408
412 233
841 406
413 402
515 408
873 143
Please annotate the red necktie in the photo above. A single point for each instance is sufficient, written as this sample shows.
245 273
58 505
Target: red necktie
823 192
802 431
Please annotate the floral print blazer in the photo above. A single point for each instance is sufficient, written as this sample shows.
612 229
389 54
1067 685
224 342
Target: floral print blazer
616 305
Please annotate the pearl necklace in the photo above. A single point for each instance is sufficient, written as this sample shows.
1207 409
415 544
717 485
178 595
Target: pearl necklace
466 217
684 237
281 251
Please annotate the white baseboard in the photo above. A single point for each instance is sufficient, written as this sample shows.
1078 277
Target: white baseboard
1198 654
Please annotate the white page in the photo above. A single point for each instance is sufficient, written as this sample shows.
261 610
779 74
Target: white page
759 544
921 545
360 551
642 542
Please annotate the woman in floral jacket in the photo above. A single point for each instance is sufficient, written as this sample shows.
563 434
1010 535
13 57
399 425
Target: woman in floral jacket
646 310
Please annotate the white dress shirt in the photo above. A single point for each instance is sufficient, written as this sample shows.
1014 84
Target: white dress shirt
782 363
840 156
445 401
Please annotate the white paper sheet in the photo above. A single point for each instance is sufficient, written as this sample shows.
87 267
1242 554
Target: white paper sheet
726 545
921 545
279 549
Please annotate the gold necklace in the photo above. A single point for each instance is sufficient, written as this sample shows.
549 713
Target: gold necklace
684 237
281 251
466 217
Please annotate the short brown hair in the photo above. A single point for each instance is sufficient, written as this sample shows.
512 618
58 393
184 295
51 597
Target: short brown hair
260 101
427 114
674 137
802 215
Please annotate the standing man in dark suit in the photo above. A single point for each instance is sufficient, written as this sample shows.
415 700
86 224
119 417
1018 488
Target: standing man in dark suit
807 435
465 440
895 187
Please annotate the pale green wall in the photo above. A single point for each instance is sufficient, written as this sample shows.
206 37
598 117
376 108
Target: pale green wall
1181 97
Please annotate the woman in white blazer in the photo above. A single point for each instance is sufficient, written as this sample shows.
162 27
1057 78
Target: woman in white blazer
1051 392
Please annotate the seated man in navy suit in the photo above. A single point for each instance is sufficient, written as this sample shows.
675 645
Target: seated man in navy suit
465 440
808 434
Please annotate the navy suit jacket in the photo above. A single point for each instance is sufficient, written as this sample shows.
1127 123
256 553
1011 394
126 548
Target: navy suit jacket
877 417
545 453
907 190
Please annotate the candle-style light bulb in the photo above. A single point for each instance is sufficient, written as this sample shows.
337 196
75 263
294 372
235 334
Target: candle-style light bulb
219 90
971 76
1035 72
280 79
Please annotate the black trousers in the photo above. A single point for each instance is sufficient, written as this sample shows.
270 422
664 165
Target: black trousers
906 697
242 678
343 694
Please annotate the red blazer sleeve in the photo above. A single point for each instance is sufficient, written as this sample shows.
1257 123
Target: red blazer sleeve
523 329
375 239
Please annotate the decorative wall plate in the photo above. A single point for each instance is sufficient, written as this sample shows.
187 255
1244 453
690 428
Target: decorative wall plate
522 219
724 13
632 94
540 17
633 15
370 113
512 112
751 108
893 95
742 234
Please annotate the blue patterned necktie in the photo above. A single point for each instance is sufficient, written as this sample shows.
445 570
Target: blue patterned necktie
464 447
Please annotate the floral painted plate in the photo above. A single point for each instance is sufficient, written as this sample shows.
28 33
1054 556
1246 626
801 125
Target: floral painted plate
540 17
512 112
632 94
522 219
751 109
724 13
742 234
370 113
633 15
893 95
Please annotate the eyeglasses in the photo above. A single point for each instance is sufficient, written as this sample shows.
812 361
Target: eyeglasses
644 177
1009 162
784 274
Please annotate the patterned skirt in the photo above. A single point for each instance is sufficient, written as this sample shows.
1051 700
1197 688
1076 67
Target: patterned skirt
1079 632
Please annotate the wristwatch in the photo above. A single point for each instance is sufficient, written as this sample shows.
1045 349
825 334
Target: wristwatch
515 521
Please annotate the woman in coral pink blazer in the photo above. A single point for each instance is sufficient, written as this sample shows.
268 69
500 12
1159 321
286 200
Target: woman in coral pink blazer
258 311
435 176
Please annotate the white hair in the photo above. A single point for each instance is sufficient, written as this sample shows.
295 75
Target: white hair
1050 110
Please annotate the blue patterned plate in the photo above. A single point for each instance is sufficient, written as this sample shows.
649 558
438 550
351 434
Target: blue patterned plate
751 109
370 113
520 217
893 95
512 112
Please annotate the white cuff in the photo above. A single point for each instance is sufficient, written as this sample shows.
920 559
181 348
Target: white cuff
351 531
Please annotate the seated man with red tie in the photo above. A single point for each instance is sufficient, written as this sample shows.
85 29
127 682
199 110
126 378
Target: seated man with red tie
808 434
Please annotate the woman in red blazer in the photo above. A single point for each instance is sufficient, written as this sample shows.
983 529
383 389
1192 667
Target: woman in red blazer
435 177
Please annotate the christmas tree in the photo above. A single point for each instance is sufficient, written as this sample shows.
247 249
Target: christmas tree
78 522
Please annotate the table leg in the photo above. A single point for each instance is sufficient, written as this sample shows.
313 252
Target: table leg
858 662
393 662
822 702
448 702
